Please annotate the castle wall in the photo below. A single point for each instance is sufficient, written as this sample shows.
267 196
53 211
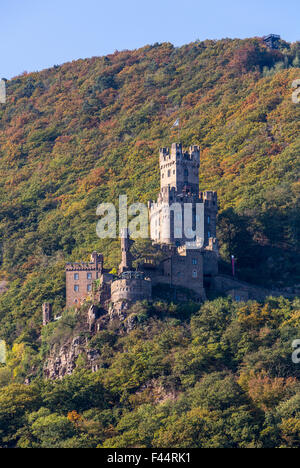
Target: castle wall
167 217
131 290
242 291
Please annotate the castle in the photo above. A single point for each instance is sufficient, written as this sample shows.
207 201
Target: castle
272 41
185 260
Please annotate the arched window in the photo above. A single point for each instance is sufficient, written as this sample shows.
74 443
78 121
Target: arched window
186 173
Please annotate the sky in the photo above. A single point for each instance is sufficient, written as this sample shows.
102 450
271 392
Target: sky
37 34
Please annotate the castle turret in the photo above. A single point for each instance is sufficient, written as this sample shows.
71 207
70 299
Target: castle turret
47 313
126 263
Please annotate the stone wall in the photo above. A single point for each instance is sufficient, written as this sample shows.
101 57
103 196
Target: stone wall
131 290
62 361
3 287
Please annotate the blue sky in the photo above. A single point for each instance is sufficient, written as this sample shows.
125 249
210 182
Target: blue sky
37 34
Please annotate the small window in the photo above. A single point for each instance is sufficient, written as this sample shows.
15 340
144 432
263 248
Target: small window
89 276
76 288
208 219
89 287
195 261
195 274
76 276
238 298
169 173
208 235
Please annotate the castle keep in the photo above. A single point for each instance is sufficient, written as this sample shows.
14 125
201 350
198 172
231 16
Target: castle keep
179 188
185 259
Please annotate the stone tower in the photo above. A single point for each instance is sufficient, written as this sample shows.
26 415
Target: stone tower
179 170
47 313
130 286
126 263
180 207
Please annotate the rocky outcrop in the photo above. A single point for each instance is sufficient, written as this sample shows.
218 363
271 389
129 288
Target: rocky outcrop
62 361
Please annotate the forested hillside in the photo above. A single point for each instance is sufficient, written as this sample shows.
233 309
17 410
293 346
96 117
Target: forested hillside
218 376
85 132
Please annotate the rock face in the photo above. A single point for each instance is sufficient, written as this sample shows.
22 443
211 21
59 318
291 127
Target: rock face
62 361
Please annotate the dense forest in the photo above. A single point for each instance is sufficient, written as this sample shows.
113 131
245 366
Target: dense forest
218 376
85 132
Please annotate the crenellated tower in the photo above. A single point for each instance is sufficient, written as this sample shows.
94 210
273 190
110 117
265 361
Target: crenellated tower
170 221
179 169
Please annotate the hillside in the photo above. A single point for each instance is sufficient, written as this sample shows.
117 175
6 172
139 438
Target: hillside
219 376
85 132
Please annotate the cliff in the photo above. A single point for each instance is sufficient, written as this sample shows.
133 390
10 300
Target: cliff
62 360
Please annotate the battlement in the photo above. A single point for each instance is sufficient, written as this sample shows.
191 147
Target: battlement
96 264
178 154
80 278
210 199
